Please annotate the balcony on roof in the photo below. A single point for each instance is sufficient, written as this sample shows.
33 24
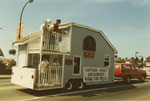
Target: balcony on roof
52 41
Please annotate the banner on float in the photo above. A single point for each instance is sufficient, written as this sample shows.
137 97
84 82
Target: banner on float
95 74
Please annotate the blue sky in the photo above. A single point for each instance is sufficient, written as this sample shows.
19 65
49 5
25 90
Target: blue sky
126 23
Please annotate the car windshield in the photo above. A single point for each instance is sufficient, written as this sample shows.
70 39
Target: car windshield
125 66
116 66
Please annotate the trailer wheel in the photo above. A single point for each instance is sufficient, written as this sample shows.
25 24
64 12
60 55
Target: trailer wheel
81 85
142 79
69 86
128 80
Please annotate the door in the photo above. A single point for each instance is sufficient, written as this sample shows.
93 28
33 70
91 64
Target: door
77 65
21 58
137 72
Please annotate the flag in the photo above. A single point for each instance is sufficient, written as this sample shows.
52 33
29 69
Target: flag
19 37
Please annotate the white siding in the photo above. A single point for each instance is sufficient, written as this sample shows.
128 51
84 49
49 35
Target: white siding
22 52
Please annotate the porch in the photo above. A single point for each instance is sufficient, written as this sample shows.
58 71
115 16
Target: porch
50 77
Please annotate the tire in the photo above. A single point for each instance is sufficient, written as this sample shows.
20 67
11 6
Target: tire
69 86
142 79
128 80
81 85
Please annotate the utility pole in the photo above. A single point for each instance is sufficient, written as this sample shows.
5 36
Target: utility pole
29 1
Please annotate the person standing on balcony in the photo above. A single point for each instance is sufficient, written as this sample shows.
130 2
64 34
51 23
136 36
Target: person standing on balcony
56 25
55 62
56 30
44 70
56 73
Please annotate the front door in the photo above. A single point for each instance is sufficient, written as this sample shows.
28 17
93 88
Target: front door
77 65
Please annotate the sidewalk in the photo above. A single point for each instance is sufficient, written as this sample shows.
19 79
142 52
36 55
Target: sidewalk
5 76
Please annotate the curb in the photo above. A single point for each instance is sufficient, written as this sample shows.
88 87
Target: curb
5 76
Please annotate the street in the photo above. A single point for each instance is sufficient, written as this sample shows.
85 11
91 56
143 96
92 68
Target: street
118 91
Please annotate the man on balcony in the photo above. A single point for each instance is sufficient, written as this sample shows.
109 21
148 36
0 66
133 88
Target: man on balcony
56 25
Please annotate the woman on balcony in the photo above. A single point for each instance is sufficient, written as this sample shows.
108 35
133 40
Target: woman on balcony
55 62
44 70
56 74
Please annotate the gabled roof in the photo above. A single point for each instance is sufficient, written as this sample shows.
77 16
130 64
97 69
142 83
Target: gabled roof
93 29
22 40
66 25
1 53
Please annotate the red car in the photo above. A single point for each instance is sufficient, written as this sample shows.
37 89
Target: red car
128 71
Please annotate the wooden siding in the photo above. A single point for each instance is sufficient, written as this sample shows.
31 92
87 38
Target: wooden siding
102 49
21 58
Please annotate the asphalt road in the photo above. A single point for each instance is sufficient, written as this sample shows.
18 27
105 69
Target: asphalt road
136 91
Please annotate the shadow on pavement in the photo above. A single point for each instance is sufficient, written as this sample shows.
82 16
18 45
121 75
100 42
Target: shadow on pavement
115 87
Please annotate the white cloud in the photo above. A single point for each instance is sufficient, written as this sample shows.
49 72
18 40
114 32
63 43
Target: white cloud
107 1
140 3
103 1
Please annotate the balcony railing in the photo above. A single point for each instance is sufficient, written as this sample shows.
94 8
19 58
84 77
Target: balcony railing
51 76
56 42
50 42
35 39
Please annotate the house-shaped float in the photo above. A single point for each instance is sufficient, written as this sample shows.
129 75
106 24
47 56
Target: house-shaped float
85 57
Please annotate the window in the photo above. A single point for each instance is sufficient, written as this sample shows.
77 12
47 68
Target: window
89 44
22 48
117 66
76 65
33 60
106 61
124 67
132 67
136 67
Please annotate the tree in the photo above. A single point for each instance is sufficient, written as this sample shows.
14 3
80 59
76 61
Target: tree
133 60
9 63
1 53
12 52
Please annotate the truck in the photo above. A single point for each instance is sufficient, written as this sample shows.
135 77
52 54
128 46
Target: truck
129 71
147 69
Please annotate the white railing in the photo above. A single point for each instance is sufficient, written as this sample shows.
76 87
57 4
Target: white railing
35 39
64 45
56 42
51 76
50 41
